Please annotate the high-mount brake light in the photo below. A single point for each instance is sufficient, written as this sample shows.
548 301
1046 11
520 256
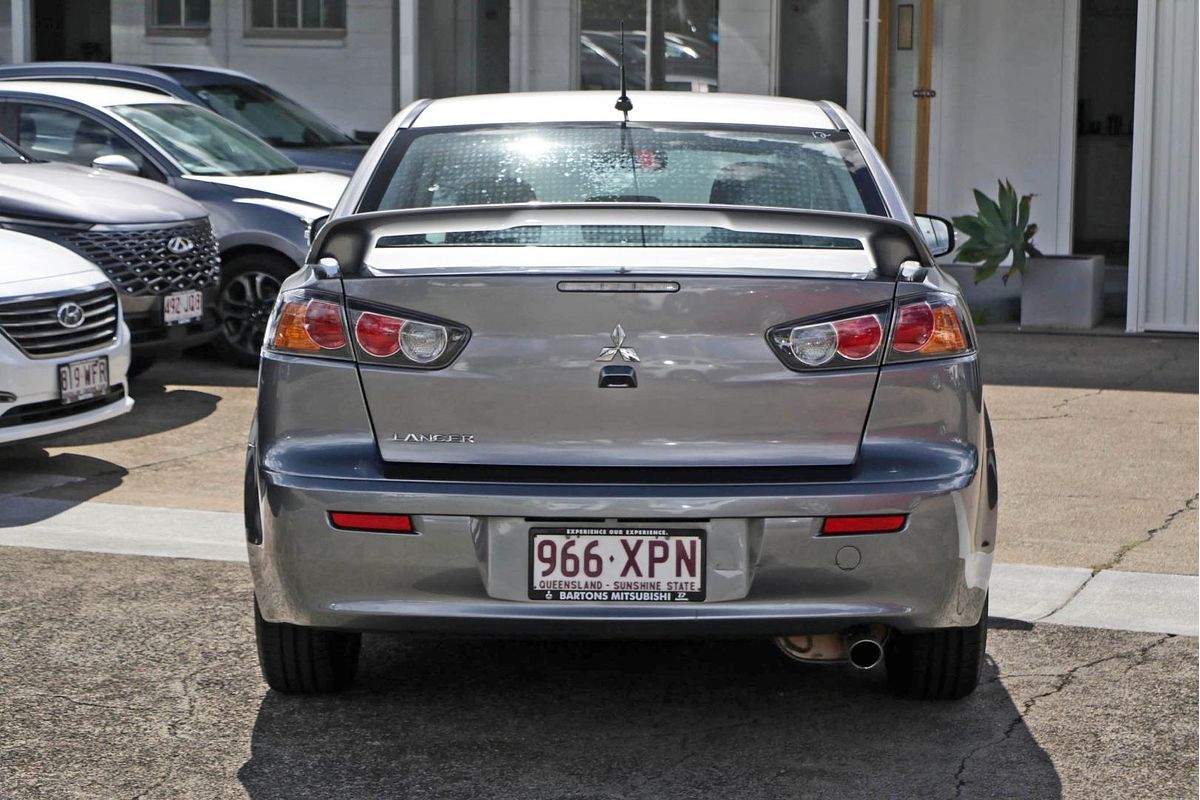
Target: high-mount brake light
307 325
929 328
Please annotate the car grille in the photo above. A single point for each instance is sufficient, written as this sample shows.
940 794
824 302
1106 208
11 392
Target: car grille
33 325
139 260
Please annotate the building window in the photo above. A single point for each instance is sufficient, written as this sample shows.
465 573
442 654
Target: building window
682 55
297 18
178 16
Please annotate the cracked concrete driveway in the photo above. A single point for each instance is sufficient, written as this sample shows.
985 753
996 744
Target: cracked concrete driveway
133 677
125 676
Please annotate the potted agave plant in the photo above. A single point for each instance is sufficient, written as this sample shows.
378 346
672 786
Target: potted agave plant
1057 291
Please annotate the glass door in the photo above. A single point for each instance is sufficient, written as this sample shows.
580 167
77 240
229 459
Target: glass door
904 94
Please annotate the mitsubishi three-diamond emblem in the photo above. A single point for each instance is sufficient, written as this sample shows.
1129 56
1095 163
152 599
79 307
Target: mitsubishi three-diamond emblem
618 348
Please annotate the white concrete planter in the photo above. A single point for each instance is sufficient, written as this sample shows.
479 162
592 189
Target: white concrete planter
991 300
1063 292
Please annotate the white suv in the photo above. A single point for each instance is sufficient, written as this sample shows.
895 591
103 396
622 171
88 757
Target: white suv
64 349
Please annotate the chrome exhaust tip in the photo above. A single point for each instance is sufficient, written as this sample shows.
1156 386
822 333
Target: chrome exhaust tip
863 649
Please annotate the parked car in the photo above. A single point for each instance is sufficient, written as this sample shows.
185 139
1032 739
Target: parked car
64 350
294 130
695 376
152 242
260 203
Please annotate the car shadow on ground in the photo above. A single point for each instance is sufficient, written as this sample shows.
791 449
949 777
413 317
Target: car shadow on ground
501 719
33 470
156 409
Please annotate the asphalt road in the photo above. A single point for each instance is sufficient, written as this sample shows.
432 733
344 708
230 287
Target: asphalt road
134 677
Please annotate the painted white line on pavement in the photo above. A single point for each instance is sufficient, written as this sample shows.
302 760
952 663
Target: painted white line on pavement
121 529
1133 601
1028 592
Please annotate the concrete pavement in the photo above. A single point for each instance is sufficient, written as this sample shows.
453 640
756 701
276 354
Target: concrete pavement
131 676
123 677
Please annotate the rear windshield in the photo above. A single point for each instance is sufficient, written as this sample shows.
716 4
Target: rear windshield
785 168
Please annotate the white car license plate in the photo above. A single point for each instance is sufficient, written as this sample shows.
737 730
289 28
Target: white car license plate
181 308
616 564
83 380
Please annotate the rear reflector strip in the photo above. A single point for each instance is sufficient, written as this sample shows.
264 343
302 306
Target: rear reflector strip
376 523
882 524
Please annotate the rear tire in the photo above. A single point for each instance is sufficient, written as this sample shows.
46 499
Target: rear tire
937 665
299 660
249 285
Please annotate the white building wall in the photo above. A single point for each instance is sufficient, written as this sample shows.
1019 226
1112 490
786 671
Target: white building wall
748 32
346 80
999 111
543 45
1164 240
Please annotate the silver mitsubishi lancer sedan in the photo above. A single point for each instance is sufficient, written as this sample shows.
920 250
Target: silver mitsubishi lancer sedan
689 370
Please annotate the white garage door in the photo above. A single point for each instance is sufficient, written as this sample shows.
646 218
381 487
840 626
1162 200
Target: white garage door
1164 272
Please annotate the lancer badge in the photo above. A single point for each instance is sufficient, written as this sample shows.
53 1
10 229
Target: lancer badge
179 245
618 348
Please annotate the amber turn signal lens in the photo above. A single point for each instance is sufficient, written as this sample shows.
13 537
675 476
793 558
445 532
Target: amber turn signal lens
948 336
290 333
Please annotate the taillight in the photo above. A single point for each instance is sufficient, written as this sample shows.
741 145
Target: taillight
305 324
931 327
401 341
851 342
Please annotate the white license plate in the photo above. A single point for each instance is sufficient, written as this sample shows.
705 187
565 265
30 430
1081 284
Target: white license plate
616 564
83 380
183 307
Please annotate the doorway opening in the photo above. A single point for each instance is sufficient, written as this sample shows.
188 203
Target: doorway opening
72 30
1104 130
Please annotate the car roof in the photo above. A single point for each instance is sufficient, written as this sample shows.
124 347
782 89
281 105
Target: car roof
96 95
597 106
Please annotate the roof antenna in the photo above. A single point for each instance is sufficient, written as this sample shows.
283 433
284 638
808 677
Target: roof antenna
624 104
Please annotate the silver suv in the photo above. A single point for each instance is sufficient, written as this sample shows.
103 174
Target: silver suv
551 373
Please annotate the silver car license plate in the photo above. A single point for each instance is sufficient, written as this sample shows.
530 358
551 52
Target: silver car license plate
83 380
616 564
181 308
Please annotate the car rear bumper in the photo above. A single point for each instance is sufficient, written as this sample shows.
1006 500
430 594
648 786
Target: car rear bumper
150 334
768 572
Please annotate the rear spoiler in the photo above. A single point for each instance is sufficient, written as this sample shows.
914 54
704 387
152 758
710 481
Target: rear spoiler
889 242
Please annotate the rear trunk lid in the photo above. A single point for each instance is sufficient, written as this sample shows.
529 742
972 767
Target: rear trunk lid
551 325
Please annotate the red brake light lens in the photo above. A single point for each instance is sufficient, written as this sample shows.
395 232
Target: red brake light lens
323 324
371 523
858 338
889 523
378 334
914 327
